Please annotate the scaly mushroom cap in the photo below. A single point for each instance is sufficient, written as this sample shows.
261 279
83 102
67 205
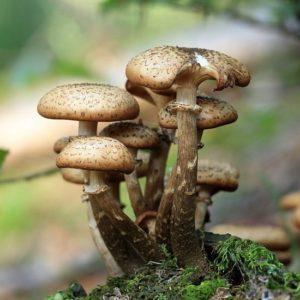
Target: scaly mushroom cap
272 237
138 91
132 135
61 144
214 113
290 201
217 175
88 102
96 153
161 67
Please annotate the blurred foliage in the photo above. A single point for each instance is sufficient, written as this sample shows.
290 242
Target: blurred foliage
283 14
3 154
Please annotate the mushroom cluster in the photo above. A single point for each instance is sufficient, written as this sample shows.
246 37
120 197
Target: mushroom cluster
173 207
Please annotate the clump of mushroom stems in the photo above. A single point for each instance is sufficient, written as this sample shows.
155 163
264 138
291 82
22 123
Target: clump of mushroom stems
175 207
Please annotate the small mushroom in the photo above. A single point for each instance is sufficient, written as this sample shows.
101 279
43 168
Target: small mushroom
163 68
155 178
290 201
134 136
212 177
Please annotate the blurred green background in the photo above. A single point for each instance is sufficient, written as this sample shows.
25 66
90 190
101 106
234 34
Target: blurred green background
45 241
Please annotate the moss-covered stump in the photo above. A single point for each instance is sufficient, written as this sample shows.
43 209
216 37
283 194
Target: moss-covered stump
242 270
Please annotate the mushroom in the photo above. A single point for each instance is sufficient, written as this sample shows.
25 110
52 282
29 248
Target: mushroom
212 177
70 175
99 154
155 178
214 113
89 103
184 69
133 136
290 203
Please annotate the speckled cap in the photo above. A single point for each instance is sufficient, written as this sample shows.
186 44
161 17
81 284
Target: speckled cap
218 175
214 113
272 237
61 143
161 67
132 135
88 102
96 153
290 201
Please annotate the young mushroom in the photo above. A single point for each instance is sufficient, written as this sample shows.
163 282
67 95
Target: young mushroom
184 69
158 158
212 177
133 136
100 154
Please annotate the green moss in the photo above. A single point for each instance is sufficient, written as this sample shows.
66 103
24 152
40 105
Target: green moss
250 261
203 291
235 260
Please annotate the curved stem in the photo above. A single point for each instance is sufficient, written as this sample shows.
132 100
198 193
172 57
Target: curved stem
119 250
156 173
134 189
133 234
185 244
163 219
109 261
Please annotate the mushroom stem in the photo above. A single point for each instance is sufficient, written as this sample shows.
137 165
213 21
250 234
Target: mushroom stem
87 128
163 219
133 234
122 251
134 188
156 173
202 201
185 243
110 263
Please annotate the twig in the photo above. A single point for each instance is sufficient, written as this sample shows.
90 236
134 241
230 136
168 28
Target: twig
29 177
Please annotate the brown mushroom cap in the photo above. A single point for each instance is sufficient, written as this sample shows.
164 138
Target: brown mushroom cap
96 153
88 102
220 176
290 201
132 135
161 67
61 144
272 237
214 113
